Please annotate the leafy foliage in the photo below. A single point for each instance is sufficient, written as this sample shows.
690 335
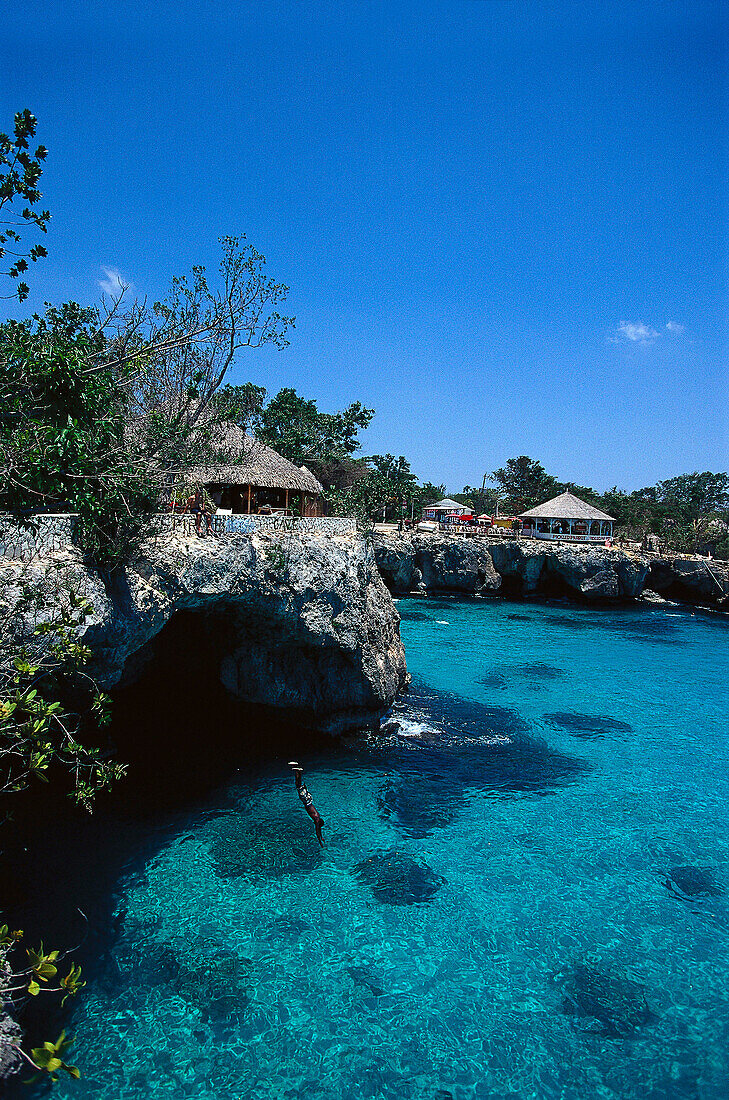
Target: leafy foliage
62 429
50 1058
295 428
40 737
481 499
18 982
20 172
40 740
388 490
100 409
522 483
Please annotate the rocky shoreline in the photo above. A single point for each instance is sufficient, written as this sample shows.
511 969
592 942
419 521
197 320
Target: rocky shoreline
442 564
302 622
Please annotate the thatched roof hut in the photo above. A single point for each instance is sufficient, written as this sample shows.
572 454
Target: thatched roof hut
566 506
567 517
442 507
245 474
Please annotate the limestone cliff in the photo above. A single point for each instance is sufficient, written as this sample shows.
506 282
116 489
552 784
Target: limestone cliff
308 625
482 567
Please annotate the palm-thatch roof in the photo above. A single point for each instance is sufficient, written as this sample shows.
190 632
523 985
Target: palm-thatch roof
447 505
242 460
566 506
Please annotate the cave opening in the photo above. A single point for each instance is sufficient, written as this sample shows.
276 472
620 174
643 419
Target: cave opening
176 725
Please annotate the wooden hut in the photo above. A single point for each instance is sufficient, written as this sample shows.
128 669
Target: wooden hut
247 476
567 517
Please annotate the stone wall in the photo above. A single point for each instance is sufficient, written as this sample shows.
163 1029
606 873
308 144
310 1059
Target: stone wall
47 534
320 525
257 525
40 535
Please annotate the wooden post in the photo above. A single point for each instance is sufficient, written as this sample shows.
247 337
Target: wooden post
286 501
249 500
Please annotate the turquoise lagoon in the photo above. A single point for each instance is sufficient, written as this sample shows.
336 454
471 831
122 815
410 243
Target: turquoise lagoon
524 893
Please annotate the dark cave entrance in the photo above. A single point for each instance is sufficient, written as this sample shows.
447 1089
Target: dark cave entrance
178 727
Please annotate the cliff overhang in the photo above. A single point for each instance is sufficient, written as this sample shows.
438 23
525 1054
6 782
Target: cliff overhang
302 622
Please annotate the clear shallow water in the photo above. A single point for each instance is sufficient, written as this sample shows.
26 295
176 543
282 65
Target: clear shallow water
524 893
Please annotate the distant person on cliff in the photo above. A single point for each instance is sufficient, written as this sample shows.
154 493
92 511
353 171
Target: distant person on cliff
307 800
199 507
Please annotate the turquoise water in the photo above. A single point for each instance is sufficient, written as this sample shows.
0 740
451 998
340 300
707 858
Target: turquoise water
524 893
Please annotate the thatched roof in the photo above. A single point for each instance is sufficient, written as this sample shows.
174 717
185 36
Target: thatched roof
565 506
242 460
447 505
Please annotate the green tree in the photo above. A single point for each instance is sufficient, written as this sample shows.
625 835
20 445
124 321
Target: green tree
294 426
523 483
481 498
399 484
241 405
387 491
62 429
297 429
696 497
20 172
425 494
584 492
101 410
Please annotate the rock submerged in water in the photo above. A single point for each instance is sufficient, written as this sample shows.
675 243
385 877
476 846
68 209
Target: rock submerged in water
421 803
586 725
694 882
495 681
617 1003
217 984
239 847
363 976
215 981
398 879
532 674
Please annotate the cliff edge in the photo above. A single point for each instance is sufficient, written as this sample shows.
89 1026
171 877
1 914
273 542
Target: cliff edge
302 621
486 567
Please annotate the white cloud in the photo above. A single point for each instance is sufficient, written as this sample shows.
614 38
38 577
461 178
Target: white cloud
673 326
114 282
636 333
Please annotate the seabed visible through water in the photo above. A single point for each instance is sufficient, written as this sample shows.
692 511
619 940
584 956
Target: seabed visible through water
524 893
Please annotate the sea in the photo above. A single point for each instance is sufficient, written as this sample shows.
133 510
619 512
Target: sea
523 894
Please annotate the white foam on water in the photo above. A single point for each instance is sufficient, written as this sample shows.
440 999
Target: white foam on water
443 622
409 728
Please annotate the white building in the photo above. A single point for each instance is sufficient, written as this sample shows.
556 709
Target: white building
566 517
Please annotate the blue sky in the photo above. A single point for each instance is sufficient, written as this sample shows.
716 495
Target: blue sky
504 224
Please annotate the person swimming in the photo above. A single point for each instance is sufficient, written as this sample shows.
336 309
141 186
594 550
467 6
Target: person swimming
307 800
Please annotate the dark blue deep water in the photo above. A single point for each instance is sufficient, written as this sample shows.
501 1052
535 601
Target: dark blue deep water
524 893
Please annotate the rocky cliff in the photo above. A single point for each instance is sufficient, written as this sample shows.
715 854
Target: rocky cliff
483 567
302 622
